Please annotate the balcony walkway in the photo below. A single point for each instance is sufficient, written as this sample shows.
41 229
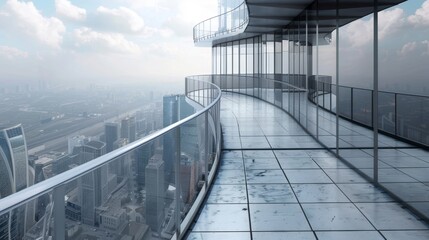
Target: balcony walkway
266 189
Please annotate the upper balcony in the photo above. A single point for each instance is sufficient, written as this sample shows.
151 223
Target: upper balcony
227 24
256 17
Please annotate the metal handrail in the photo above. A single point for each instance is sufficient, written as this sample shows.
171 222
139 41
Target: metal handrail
240 25
12 201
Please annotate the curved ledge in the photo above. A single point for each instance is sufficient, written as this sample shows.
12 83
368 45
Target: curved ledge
224 25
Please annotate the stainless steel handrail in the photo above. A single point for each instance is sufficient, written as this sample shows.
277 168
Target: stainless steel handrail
12 201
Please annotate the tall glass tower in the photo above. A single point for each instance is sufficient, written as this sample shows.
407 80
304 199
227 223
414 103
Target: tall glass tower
13 178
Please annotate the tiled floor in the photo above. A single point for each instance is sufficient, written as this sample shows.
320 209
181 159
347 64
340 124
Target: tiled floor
265 191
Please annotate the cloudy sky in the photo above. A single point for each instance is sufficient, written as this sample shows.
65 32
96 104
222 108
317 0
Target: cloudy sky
403 50
101 41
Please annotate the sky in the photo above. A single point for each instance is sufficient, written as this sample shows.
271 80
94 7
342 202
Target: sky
403 50
150 41
103 42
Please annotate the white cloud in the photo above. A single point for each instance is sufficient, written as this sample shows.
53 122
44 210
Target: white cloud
190 13
11 53
390 22
413 49
421 16
120 19
24 18
66 9
91 40
359 32
408 48
426 46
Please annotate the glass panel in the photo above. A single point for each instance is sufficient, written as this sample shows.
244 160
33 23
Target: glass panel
412 118
356 69
404 103
229 57
249 56
362 106
312 69
345 102
236 58
243 59
387 112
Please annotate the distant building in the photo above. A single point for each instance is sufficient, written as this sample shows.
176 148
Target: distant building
142 156
176 108
128 128
93 186
76 141
111 132
15 175
155 193
170 115
113 219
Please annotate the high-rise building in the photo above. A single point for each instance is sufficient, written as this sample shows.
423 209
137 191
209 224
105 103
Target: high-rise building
128 128
170 115
142 156
111 132
76 141
155 193
15 175
132 129
93 187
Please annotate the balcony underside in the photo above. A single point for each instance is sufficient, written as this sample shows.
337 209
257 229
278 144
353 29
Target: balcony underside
276 182
272 16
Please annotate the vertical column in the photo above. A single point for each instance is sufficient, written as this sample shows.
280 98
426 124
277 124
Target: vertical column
317 71
309 66
177 196
337 83
375 92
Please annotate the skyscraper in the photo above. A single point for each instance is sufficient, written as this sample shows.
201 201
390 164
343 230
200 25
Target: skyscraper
125 128
93 187
132 129
111 131
155 193
14 176
142 156
170 115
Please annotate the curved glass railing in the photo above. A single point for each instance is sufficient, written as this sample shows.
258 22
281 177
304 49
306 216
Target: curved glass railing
151 188
404 116
349 135
227 24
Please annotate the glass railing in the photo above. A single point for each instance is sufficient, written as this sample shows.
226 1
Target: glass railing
226 24
405 116
399 167
148 189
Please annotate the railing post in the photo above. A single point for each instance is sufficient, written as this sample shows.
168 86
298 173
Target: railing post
59 213
351 104
177 180
206 147
396 114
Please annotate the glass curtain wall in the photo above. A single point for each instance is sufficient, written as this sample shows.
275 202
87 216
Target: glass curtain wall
403 102
356 68
341 75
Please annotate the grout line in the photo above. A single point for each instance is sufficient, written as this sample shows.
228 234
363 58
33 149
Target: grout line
245 181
